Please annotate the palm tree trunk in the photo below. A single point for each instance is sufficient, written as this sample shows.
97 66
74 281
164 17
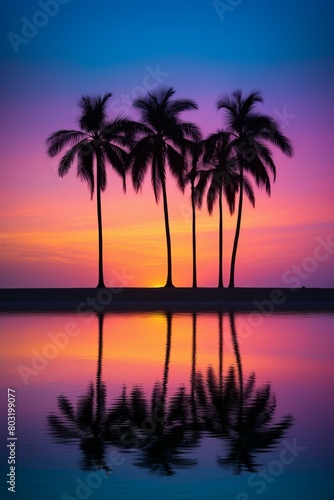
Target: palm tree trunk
167 358
193 232
193 356
193 402
99 377
237 230
99 219
220 332
169 281
220 278
239 366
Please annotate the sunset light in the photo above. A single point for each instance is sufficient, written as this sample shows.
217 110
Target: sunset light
49 227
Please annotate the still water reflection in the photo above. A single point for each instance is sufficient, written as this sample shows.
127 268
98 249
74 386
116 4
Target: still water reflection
171 405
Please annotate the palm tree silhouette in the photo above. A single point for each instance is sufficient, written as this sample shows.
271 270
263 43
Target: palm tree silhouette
198 400
250 428
195 153
220 175
137 407
162 448
217 396
98 141
162 142
237 412
193 364
89 423
251 131
159 429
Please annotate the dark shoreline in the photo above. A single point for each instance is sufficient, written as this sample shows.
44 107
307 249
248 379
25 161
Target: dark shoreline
81 300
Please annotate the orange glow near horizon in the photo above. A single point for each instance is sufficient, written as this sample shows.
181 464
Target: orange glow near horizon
49 244
134 346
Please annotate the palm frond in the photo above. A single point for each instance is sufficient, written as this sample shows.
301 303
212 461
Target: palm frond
212 196
85 409
118 158
67 161
248 103
267 128
168 138
190 131
279 140
263 151
61 432
204 177
180 105
249 190
62 138
93 112
85 170
66 408
122 131
163 95
249 386
139 160
158 173
226 102
138 406
177 165
258 170
230 190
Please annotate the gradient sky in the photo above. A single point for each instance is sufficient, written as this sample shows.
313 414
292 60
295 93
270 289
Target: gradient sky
48 232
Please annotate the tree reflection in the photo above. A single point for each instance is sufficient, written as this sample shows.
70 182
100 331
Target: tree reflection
89 422
159 429
197 392
243 414
162 430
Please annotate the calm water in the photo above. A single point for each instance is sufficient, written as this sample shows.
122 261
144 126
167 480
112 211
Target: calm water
184 406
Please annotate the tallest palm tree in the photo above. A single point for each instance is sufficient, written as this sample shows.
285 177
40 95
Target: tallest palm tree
251 132
99 141
162 142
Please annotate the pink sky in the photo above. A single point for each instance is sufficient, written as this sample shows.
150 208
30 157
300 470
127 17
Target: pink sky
49 231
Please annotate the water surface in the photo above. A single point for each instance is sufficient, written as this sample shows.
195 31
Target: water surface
185 406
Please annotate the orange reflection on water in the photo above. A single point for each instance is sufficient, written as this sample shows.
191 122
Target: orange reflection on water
65 347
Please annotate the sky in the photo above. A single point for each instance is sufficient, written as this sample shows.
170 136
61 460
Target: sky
54 51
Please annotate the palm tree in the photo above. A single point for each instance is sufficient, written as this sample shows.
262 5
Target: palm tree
161 449
159 429
89 423
195 152
251 429
99 140
196 423
234 410
162 143
251 131
220 174
138 407
219 395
